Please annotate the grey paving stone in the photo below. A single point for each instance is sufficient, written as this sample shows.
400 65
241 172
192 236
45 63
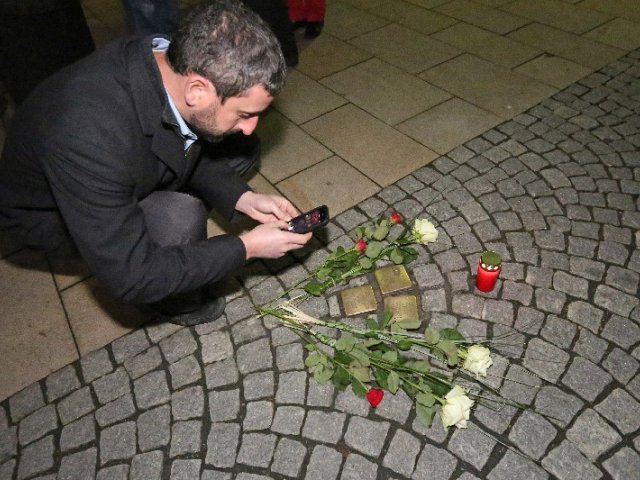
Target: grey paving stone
621 365
590 346
613 252
520 384
62 382
129 346
545 359
115 411
497 311
151 389
434 463
143 363
254 356
529 320
324 464
185 438
566 462
395 407
78 433
467 305
224 405
621 331
621 409
187 403
356 467
249 329
348 402
539 277
288 457
112 386
221 373
26 401
215 475
37 424
323 426
571 285
157 330
558 331
222 444
258 416
472 446
75 405
428 276
623 464
185 469
7 469
117 472
623 279
258 385
257 449
118 442
8 443
291 388
37 457
550 300
532 434
586 379
366 436
185 371
290 357
216 346
402 453
592 434
513 466
95 364
147 466
154 428
586 268
586 315
288 420
78 466
178 345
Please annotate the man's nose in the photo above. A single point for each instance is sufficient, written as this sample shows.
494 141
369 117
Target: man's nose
248 125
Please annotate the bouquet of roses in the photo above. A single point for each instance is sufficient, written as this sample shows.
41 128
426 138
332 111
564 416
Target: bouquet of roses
377 354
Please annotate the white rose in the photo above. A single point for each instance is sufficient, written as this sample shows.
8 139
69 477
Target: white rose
478 360
456 408
424 231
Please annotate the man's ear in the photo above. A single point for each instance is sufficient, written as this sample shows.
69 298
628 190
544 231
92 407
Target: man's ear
197 89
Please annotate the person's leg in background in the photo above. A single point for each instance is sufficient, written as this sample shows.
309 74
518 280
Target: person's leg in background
309 14
151 16
275 13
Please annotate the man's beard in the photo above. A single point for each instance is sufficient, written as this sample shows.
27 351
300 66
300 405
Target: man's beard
204 125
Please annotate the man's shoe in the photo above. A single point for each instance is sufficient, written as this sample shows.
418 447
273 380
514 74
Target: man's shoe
299 24
207 313
313 29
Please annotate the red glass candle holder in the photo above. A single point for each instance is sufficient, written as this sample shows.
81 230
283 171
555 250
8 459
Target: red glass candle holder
487 277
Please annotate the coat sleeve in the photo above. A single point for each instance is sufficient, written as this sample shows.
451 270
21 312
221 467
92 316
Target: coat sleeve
95 195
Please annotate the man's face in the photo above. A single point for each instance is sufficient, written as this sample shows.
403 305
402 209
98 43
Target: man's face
236 114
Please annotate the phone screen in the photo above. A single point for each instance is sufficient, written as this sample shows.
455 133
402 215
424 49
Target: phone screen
310 221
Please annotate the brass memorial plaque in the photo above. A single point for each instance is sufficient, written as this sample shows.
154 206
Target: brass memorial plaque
402 307
358 300
393 278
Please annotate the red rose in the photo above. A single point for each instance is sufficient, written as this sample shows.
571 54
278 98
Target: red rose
396 218
361 246
374 395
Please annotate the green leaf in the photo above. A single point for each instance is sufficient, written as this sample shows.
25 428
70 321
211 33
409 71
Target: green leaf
395 328
388 315
425 414
404 345
371 342
396 256
452 334
365 263
341 378
359 388
345 343
324 273
381 232
361 373
390 356
409 323
314 288
373 249
432 335
342 358
450 349
393 381
426 399
372 324
360 353
323 375
419 365
313 360
381 376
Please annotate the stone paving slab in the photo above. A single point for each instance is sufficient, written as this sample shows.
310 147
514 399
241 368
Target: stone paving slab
556 191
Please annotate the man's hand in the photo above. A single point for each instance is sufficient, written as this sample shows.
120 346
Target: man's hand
272 240
266 208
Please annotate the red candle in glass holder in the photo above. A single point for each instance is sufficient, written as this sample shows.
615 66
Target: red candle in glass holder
489 268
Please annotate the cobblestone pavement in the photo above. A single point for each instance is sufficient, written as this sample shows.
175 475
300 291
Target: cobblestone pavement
556 191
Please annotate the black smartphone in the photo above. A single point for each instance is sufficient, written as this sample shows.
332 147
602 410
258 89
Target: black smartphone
309 221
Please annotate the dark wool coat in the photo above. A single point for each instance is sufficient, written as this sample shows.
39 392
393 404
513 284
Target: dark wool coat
86 147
